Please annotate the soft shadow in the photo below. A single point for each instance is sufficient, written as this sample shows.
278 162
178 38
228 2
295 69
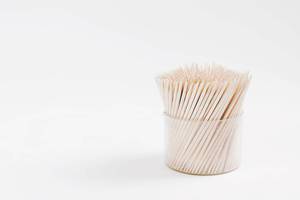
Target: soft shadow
143 167
124 170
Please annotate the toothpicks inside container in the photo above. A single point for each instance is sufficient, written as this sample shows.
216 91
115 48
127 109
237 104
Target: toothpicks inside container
203 108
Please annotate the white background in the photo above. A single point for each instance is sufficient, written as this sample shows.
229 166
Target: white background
80 113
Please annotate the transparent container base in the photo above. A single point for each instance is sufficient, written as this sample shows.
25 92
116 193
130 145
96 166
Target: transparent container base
202 147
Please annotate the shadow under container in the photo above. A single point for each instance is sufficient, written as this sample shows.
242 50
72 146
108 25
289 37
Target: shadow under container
203 147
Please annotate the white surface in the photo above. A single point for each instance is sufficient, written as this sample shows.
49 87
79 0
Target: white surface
81 114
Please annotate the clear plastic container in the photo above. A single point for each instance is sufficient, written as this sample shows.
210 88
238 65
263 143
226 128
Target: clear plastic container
203 147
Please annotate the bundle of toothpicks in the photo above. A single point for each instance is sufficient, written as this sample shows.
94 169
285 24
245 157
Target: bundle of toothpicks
203 108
